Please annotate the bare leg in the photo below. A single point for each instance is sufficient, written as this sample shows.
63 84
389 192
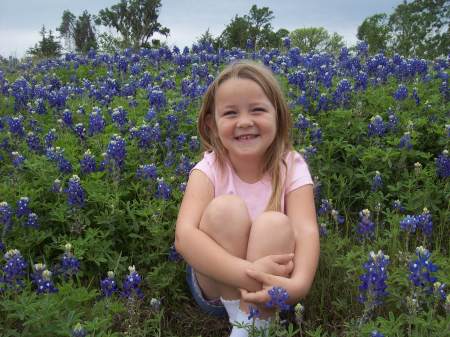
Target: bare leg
271 234
227 222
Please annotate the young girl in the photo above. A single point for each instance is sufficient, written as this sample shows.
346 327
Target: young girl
247 221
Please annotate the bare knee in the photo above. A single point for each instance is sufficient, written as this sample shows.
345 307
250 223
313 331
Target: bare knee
271 233
226 220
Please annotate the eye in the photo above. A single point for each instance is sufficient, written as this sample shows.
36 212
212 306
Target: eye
229 113
259 109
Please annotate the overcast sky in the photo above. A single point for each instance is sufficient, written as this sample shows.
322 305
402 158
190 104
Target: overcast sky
21 20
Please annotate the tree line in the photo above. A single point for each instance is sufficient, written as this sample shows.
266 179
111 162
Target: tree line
419 28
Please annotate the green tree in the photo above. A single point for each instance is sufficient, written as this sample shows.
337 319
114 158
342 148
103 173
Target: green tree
47 47
135 20
235 34
260 28
255 26
84 33
206 38
376 32
66 28
421 28
316 40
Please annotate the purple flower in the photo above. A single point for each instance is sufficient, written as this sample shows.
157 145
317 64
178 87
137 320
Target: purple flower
88 164
96 122
397 205
405 141
79 331
33 142
421 270
376 334
323 231
443 165
44 284
131 284
409 224
14 269
377 182
163 190
325 207
366 227
67 117
17 159
119 116
401 93
75 192
116 151
278 298
32 221
56 186
6 214
70 265
376 127
194 144
108 285
22 207
50 138
373 286
147 171
174 256
253 312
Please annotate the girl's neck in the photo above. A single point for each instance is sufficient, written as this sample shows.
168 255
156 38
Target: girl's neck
249 171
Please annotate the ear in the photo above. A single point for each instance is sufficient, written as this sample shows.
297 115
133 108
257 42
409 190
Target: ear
210 122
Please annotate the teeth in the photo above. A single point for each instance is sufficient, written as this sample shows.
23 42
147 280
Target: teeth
246 137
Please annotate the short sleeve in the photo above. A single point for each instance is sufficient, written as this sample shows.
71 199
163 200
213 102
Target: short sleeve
298 172
206 166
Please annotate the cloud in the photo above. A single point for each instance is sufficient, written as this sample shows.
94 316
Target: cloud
15 42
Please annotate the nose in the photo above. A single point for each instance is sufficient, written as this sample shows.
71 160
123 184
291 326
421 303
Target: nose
244 121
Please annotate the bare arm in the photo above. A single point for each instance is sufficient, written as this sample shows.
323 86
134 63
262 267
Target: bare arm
301 211
198 248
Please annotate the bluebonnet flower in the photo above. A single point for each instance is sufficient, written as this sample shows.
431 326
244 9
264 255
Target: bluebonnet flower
15 126
17 159
80 130
376 334
45 284
376 126
157 98
119 116
278 299
392 123
287 42
56 186
249 44
2 247
339 219
377 182
253 312
132 102
366 227
88 164
170 159
397 205
325 207
79 331
174 256
362 48
33 142
181 140
194 144
67 117
108 285
155 304
50 138
70 265
151 113
131 284
439 290
163 190
182 187
22 207
341 95
116 151
57 155
425 222
315 134
405 141
443 165
6 214
75 192
421 270
38 268
14 269
447 128
401 93
302 123
409 223
147 171
373 286
32 221
96 122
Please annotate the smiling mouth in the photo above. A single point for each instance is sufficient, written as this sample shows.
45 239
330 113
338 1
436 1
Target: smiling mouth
246 137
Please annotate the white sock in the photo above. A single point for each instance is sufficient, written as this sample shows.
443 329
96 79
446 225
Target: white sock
242 317
232 307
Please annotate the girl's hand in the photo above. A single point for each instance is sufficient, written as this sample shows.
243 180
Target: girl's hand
261 297
278 265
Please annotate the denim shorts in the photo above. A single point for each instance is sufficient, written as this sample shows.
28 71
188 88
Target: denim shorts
210 307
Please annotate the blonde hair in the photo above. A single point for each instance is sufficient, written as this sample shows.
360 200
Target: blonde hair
276 152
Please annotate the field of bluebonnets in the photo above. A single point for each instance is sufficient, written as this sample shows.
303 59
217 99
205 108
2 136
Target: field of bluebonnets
95 153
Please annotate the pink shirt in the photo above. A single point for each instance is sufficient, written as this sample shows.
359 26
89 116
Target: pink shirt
255 195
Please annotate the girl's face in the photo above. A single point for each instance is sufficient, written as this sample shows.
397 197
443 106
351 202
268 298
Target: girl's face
245 119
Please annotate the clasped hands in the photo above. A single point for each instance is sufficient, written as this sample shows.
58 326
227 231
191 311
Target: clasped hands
271 271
